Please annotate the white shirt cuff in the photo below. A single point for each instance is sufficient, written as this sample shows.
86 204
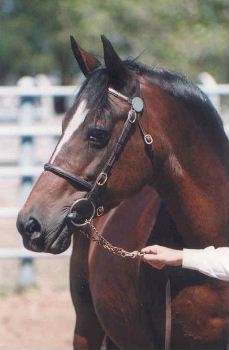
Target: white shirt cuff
192 258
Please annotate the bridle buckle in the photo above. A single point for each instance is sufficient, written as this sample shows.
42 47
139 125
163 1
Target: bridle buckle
132 116
148 139
101 179
100 211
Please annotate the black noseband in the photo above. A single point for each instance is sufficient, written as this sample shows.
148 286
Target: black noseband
76 181
83 209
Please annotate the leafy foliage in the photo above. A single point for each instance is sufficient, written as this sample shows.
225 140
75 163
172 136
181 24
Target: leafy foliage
183 35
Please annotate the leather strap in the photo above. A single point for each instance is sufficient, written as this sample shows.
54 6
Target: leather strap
129 124
119 95
168 315
76 181
148 140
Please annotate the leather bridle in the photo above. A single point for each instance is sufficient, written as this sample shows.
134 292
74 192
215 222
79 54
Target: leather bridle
85 209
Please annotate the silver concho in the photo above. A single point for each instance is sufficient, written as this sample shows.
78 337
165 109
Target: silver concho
137 104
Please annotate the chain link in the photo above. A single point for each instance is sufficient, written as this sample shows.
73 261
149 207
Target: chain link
95 236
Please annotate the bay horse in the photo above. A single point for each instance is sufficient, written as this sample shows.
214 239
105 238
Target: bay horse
168 185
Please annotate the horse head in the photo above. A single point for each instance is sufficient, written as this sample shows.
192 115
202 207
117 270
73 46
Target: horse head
104 154
100 158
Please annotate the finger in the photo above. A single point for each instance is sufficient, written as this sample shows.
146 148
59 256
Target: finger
149 250
150 257
154 256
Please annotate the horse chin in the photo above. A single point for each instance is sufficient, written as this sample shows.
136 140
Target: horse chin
32 245
59 242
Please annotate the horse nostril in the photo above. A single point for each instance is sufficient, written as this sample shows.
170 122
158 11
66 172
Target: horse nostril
32 226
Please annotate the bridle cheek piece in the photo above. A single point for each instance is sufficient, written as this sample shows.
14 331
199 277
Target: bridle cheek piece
83 210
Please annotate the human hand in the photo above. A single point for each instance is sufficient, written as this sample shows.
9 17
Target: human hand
159 256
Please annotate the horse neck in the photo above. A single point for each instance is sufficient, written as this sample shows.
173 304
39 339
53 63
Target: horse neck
189 176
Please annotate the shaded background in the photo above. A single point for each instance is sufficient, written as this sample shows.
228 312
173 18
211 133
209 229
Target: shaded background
186 36
183 35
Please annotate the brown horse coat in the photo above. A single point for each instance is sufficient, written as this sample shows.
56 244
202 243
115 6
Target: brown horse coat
118 297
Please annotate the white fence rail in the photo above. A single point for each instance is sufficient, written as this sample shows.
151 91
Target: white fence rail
26 132
21 253
68 91
38 91
32 131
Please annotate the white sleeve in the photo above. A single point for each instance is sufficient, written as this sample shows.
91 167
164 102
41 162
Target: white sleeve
211 261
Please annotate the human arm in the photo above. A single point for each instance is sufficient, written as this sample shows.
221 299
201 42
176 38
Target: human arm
210 261
159 256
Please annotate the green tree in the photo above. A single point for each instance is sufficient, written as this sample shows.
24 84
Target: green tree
183 35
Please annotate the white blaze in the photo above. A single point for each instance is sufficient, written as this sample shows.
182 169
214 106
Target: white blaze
77 119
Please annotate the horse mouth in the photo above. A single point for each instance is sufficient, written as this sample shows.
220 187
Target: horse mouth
55 244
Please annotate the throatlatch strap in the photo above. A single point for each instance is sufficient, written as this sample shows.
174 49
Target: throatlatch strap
148 141
76 181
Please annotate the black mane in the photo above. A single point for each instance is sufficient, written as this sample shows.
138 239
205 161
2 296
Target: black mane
178 86
204 113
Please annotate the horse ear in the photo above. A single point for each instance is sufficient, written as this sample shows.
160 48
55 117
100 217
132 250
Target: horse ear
86 62
119 73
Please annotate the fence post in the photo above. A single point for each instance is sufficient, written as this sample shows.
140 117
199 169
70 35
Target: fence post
209 81
46 102
27 115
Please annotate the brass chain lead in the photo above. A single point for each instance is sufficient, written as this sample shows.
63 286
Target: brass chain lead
95 236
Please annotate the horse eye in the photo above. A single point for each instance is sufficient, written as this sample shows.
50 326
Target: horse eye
98 137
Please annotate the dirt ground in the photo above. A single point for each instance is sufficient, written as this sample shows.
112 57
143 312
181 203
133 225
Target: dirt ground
36 319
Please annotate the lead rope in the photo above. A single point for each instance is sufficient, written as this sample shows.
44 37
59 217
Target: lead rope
95 236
